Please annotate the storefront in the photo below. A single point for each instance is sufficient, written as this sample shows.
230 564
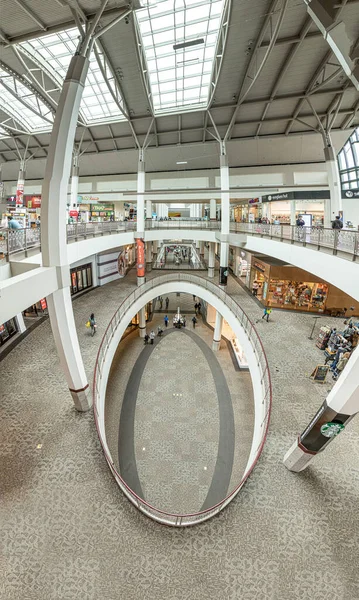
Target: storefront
81 278
287 206
8 330
288 287
240 212
36 310
228 333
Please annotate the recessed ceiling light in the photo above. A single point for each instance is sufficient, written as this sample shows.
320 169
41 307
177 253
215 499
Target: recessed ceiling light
181 162
188 44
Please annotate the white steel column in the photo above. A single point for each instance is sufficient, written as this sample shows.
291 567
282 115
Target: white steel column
224 168
75 181
292 212
336 204
20 184
337 410
142 322
140 194
53 230
148 257
217 332
211 259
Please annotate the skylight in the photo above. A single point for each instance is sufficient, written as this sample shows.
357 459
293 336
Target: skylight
181 77
23 105
55 52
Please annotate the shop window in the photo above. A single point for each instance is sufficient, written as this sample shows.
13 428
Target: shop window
81 278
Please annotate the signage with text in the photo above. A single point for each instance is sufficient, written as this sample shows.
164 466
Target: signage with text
300 195
350 193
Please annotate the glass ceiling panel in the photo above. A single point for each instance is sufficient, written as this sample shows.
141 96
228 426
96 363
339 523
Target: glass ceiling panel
23 105
54 52
180 77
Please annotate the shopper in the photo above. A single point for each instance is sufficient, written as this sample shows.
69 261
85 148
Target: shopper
194 321
166 320
266 313
146 338
38 222
152 336
184 321
196 308
159 330
161 302
199 305
341 364
13 224
255 287
337 223
167 302
300 222
93 324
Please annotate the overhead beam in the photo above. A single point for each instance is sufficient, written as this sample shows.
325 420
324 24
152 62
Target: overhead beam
30 13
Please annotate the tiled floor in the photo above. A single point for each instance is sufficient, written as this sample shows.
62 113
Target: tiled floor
67 532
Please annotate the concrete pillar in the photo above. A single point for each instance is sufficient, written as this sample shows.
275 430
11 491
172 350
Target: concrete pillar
148 257
20 323
155 248
292 212
140 192
217 332
337 410
336 204
198 245
20 184
201 248
65 336
327 209
53 229
211 259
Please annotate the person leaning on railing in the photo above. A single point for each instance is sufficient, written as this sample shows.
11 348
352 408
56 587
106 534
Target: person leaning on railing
13 224
337 223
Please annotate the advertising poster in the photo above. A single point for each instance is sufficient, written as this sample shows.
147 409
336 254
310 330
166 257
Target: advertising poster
140 257
19 193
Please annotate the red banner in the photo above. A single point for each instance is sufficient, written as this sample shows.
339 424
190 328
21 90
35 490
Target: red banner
43 303
140 257
19 193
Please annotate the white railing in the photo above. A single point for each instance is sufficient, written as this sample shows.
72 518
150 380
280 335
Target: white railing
181 520
182 224
346 241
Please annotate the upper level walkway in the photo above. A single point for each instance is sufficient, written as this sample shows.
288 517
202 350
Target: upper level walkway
342 243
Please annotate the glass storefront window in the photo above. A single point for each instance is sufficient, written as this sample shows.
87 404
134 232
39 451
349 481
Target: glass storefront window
7 331
81 278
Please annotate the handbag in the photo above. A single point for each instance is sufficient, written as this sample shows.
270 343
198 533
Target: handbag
88 324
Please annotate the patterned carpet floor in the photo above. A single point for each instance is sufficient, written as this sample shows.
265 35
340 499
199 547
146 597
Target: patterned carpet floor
68 533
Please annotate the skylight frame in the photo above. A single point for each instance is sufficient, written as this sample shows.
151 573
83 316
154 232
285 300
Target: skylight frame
101 100
153 51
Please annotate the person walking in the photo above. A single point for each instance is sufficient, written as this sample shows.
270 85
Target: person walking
146 338
255 287
159 330
194 321
166 320
199 305
93 324
184 321
167 302
266 313
196 308
161 302
152 336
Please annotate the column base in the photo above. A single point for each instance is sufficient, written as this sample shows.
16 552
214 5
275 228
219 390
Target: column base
216 345
297 459
82 398
142 331
141 280
210 271
148 267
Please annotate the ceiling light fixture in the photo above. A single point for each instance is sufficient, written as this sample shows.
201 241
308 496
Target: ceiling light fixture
188 44
181 162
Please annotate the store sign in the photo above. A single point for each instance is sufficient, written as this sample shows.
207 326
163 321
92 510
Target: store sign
254 200
84 207
32 201
301 195
259 266
350 193
88 198
74 213
102 207
330 430
43 303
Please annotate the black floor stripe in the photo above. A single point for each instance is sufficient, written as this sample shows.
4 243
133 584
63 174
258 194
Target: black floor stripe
225 455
